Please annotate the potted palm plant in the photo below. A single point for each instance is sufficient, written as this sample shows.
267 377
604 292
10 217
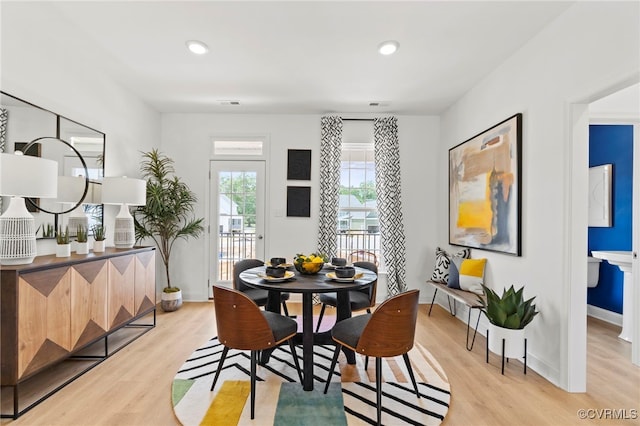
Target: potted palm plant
167 216
508 315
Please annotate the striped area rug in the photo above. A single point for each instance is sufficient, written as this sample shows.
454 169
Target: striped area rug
280 400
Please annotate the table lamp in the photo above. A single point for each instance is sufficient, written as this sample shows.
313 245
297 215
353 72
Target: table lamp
23 176
126 192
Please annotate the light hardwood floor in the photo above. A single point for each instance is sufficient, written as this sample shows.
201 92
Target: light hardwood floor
133 387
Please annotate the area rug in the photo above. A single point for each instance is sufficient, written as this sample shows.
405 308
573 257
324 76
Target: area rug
281 401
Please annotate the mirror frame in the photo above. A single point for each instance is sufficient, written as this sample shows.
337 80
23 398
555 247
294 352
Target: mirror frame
57 135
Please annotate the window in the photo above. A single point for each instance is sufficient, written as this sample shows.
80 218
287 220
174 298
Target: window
358 225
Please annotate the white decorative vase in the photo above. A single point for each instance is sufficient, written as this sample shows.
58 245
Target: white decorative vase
98 246
82 248
513 341
63 250
171 301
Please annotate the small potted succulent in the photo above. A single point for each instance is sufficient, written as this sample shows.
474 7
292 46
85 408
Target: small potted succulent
99 235
508 315
82 246
63 247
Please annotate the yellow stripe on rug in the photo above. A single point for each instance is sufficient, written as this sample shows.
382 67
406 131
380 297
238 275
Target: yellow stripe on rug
228 404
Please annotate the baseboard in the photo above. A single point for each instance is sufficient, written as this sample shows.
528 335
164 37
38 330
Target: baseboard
604 315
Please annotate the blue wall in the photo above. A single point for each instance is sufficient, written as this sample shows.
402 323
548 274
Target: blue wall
612 144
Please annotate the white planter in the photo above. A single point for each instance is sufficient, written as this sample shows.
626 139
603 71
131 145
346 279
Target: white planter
171 301
98 246
82 248
513 341
63 250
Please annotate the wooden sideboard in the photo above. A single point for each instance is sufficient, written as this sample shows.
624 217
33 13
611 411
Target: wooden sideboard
54 307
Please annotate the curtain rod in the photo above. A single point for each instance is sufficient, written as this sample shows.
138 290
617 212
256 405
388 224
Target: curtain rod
357 119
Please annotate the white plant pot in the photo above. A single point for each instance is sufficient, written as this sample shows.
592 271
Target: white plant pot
171 301
63 250
82 248
513 341
98 246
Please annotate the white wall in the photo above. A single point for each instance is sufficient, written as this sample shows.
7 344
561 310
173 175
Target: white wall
187 139
45 63
592 47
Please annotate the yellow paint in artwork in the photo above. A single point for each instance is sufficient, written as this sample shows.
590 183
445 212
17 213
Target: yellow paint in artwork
228 404
475 214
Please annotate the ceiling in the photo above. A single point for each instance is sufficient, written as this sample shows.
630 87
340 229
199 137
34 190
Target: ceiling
304 56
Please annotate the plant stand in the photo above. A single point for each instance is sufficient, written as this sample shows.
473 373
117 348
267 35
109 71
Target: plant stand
503 351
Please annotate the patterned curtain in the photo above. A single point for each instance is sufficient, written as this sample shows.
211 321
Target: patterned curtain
4 114
387 163
330 154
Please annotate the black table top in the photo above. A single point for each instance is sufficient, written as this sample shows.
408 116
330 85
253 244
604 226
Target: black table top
301 283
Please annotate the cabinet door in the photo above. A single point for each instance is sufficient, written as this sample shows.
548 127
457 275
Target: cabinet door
120 293
44 326
145 292
88 302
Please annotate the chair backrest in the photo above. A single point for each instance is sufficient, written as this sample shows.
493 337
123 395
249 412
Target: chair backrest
241 266
362 256
240 322
373 288
392 327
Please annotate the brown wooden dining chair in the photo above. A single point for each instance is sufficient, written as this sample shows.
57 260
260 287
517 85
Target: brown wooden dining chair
242 325
359 299
362 256
388 332
259 296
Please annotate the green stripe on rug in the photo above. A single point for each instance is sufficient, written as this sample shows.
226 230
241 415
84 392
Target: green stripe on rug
179 389
228 404
298 407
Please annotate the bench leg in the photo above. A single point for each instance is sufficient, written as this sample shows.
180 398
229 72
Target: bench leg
433 300
452 311
475 331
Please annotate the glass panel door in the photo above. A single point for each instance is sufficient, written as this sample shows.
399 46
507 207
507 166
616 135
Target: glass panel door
237 216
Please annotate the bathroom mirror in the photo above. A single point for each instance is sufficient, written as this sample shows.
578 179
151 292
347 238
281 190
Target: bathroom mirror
22 122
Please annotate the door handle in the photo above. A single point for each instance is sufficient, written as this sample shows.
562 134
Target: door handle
260 237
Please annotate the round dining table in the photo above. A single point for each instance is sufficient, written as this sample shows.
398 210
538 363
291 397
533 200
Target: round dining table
308 285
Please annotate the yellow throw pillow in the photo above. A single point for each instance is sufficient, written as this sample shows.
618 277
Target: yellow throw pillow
472 275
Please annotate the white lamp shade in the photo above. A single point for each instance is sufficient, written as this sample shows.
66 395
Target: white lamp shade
70 189
124 190
94 194
27 176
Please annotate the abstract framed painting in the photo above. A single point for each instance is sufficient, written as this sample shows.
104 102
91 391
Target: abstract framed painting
485 189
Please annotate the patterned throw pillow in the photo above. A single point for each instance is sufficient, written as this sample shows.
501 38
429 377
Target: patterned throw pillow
443 260
472 275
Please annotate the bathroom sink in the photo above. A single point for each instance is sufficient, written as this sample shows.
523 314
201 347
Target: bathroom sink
621 259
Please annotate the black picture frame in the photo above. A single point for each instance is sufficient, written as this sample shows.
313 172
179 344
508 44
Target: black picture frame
485 189
299 164
298 201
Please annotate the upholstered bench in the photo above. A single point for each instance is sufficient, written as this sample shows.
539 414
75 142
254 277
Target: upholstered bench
465 297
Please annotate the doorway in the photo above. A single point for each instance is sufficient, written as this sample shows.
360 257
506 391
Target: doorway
237 208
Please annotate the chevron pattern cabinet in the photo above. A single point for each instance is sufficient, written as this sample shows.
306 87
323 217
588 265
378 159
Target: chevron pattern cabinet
54 307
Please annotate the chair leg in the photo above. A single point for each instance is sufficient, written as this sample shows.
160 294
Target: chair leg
254 361
284 308
379 388
333 366
413 378
224 356
295 359
320 317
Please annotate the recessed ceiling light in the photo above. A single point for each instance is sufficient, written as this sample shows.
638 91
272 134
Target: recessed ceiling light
388 47
197 47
